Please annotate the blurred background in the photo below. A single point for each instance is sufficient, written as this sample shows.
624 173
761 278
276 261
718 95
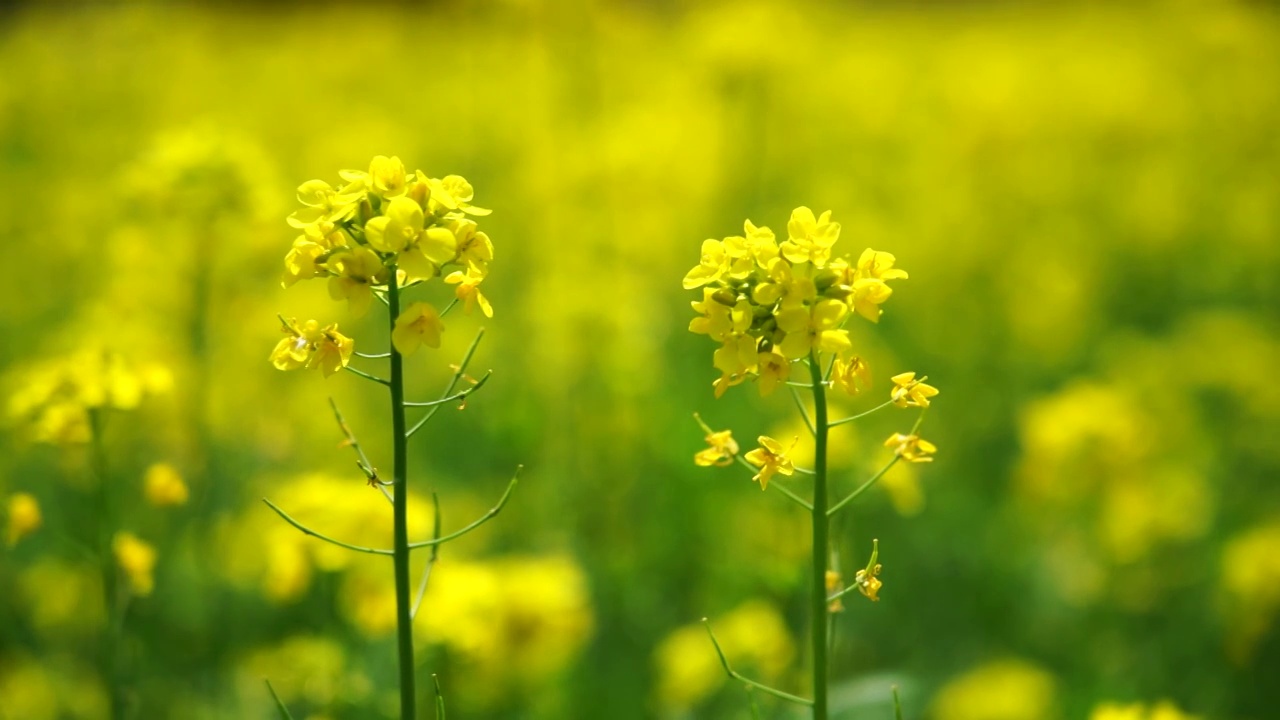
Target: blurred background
1086 196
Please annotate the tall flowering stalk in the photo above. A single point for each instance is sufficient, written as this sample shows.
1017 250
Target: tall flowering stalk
381 235
68 403
775 305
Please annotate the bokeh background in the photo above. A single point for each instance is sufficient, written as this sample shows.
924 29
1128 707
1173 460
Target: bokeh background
1086 195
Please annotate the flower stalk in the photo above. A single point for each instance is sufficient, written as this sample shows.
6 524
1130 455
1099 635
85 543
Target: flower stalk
818 601
400 521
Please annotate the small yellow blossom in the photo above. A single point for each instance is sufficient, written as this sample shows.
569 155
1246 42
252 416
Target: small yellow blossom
813 328
852 375
809 238
475 249
1163 710
387 176
453 192
720 316
468 291
869 583
735 360
911 448
137 560
356 272
909 392
311 346
723 449
24 516
835 584
419 324
164 486
771 458
774 368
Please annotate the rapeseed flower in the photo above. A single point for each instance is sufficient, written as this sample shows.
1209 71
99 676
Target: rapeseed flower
24 517
911 448
772 459
137 560
721 450
311 346
418 325
162 485
852 375
910 392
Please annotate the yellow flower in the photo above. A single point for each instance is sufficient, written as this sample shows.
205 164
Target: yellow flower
419 324
469 291
453 192
785 284
1114 711
771 458
813 328
300 262
866 297
869 582
712 264
735 359
834 585
910 392
387 176
475 249
164 486
852 375
137 560
356 272
24 516
720 317
774 368
323 205
911 448
810 239
723 449
311 346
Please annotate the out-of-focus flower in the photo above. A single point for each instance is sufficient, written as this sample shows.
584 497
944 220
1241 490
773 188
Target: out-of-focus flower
56 397
137 560
852 375
723 449
911 448
23 516
418 325
1251 581
910 392
163 485
834 584
771 458
999 690
1163 710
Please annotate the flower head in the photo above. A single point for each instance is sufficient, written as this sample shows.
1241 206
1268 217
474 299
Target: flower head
911 448
418 325
771 458
910 392
24 517
137 560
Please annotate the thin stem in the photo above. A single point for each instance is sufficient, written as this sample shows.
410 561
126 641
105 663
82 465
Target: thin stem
851 418
404 617
440 698
372 356
111 586
864 486
744 679
456 396
367 376
448 307
431 561
280 706
491 514
457 376
818 602
795 395
362 460
897 704
320 536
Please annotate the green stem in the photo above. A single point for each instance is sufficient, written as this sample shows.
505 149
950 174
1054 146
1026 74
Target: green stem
864 486
110 577
818 603
404 619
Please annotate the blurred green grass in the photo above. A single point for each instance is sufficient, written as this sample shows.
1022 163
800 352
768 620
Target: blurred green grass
1085 195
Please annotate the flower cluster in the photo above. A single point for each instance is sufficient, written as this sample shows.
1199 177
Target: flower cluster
372 225
55 398
770 303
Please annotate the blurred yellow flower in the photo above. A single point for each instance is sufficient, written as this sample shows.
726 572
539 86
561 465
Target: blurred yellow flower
1000 690
771 458
834 584
869 583
723 449
911 448
1163 710
137 560
852 375
1251 581
910 392
163 485
23 517
418 325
